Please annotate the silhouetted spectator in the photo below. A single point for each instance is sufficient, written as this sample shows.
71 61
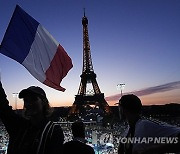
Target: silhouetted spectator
78 144
146 136
33 133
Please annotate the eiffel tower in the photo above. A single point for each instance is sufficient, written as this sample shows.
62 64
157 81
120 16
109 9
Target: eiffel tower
85 96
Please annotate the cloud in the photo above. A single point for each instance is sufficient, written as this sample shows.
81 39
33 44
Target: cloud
149 90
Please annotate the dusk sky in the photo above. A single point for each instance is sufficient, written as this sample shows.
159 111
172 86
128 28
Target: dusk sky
135 42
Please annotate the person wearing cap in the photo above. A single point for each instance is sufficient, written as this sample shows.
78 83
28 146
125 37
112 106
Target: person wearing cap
32 133
144 135
78 144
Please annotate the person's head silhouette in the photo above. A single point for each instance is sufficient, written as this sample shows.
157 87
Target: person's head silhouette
130 107
35 102
78 129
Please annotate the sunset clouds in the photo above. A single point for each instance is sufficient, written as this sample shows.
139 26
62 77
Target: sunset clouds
150 90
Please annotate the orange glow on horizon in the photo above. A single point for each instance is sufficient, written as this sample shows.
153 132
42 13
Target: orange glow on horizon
153 99
158 98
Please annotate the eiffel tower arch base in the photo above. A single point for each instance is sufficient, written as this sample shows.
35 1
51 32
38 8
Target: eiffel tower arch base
83 103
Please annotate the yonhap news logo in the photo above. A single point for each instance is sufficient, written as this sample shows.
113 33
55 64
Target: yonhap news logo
149 140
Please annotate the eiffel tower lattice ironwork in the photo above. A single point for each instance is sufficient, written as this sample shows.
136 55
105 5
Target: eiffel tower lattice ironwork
85 96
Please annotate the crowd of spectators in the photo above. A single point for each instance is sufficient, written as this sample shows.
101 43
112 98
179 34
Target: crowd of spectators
106 139
4 139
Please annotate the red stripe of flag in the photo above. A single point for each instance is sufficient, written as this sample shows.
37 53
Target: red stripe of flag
59 67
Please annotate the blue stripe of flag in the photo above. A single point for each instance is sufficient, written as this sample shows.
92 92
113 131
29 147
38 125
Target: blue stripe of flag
19 35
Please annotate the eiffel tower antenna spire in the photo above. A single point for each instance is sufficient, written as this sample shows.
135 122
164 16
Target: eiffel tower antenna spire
85 96
84 12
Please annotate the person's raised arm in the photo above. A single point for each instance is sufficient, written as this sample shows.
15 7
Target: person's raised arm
4 103
9 118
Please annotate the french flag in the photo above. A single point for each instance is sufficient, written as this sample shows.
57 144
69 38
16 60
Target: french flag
30 44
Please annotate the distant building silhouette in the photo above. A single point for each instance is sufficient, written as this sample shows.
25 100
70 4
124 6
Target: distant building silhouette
169 112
